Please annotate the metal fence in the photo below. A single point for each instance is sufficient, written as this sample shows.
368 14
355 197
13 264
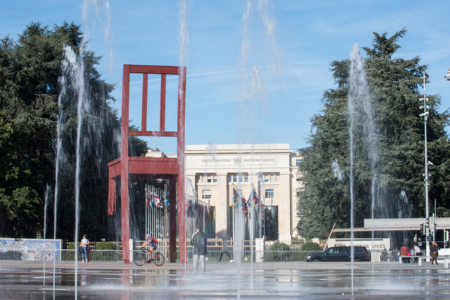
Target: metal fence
116 255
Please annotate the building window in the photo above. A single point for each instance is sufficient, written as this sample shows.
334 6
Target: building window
206 194
237 178
271 177
298 161
210 178
269 193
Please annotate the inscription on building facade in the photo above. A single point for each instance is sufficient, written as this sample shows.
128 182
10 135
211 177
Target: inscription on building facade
238 160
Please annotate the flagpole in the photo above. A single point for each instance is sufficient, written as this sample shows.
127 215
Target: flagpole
153 212
145 207
252 218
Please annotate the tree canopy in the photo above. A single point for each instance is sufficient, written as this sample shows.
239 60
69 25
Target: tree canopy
29 71
394 85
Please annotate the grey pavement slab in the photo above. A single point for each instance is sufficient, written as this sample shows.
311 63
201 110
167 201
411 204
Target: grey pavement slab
285 280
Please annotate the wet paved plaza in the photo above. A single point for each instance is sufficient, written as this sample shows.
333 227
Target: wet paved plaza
298 280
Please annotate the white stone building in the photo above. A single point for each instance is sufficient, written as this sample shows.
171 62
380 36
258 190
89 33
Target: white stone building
212 170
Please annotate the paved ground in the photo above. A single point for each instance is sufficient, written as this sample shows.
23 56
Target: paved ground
298 280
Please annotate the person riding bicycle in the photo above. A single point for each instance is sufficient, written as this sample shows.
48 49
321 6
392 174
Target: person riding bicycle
151 243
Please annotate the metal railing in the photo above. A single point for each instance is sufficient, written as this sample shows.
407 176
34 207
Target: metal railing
116 255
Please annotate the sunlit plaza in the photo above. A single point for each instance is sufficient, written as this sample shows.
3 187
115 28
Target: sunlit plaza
299 280
254 149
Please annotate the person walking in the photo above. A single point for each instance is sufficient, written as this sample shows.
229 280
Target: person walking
199 241
434 249
224 250
84 245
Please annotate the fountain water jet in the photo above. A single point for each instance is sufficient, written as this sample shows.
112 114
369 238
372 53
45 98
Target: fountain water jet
72 83
46 197
361 115
256 18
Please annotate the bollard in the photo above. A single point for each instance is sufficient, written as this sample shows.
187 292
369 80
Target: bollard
131 249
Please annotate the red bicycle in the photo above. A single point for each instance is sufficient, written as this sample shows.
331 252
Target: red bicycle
142 257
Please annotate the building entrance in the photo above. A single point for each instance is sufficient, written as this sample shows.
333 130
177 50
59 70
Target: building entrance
270 223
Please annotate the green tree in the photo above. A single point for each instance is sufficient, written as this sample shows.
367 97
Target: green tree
29 89
394 84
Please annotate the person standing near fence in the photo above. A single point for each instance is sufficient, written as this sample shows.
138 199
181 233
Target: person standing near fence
84 253
224 249
199 241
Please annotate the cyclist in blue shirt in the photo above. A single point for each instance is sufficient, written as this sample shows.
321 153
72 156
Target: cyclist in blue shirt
150 242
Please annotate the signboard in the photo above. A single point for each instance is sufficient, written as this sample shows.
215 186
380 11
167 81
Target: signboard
30 249
372 245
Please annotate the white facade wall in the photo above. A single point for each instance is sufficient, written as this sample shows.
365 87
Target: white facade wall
211 167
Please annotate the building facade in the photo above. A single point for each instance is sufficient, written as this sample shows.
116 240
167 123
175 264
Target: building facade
212 171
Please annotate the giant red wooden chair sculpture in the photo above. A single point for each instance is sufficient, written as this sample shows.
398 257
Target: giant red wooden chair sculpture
126 167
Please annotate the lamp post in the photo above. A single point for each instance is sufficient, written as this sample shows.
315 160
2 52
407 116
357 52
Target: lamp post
425 116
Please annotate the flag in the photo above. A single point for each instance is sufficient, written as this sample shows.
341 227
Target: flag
239 201
253 200
189 208
157 200
167 198
234 200
151 198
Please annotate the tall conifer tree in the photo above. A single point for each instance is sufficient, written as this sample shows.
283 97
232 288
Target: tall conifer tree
394 85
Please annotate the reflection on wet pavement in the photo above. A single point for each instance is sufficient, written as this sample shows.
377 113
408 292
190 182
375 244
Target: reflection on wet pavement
276 280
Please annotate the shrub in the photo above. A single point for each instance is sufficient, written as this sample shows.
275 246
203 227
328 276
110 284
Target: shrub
277 252
279 247
310 246
105 246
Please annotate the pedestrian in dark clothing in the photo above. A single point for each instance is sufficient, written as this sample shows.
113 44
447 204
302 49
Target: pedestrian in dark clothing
224 250
199 241
434 252
384 255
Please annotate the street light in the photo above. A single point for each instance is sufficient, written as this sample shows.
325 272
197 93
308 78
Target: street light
425 116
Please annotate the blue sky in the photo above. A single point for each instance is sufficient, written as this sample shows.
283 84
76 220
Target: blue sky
290 45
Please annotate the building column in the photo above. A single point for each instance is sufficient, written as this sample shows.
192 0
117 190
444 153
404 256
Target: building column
294 203
284 210
222 206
